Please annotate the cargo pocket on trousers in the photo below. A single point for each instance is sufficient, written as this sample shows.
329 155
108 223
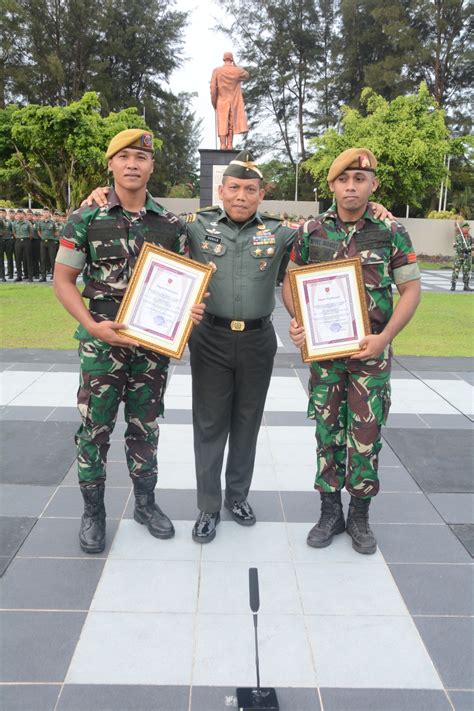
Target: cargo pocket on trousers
386 396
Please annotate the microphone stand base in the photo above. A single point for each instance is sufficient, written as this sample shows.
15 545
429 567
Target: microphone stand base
263 699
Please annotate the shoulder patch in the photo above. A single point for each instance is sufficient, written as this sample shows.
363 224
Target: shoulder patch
210 208
272 215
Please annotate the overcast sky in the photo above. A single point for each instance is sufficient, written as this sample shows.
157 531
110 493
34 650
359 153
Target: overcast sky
204 48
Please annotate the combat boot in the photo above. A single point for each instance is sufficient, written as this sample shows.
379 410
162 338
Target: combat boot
331 521
92 530
147 511
363 540
467 287
453 286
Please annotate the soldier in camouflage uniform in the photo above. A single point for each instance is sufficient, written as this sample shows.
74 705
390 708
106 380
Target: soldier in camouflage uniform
106 242
6 245
350 397
463 259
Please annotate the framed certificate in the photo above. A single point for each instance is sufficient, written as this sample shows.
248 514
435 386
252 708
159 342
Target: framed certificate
329 300
158 299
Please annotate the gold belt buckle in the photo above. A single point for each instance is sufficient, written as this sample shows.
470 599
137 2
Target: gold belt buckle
237 325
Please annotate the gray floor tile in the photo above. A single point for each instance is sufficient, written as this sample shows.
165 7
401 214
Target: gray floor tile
117 475
28 501
465 533
99 657
436 375
65 414
431 363
439 460
397 479
67 502
402 508
224 653
287 419
435 589
58 584
13 531
450 422
24 414
58 538
462 700
320 584
178 504
101 697
406 543
147 586
266 506
224 588
405 420
389 652
387 457
301 506
37 697
386 699
206 698
454 508
38 646
449 641
5 561
47 452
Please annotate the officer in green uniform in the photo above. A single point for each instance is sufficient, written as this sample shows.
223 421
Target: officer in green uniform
463 258
6 245
23 233
350 397
106 242
232 351
34 218
48 233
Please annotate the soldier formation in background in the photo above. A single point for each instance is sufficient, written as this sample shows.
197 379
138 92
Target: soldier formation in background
29 242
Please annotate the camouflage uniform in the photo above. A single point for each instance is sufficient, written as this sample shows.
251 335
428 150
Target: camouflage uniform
350 399
463 259
107 242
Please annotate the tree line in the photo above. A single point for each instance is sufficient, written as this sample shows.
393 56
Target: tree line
52 52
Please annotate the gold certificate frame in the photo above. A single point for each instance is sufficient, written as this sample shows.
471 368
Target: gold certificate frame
329 300
158 299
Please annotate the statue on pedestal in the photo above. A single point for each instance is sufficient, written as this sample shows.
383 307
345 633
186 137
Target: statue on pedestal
227 100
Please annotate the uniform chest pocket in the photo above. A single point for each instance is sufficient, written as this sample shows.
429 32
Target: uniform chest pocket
109 249
322 250
163 236
213 249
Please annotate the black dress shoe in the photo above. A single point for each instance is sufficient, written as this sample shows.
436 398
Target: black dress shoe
241 512
204 530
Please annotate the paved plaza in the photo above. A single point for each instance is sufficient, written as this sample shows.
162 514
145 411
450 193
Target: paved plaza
154 625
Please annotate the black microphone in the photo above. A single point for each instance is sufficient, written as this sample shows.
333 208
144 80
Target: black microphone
253 590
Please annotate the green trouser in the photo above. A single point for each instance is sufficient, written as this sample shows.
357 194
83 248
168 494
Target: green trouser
350 400
464 261
109 375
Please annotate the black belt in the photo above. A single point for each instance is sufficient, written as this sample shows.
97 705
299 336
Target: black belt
377 328
235 325
104 308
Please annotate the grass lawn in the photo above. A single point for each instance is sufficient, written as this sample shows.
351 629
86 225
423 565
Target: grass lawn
31 317
435 265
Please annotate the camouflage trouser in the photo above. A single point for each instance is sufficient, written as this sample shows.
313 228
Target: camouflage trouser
109 375
350 400
464 261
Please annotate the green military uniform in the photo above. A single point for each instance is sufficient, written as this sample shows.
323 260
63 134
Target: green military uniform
463 258
106 242
231 368
6 246
48 231
35 247
23 234
350 399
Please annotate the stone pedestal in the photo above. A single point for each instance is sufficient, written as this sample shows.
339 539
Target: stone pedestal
213 164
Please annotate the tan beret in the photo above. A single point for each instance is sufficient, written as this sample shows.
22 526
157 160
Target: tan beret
131 138
352 159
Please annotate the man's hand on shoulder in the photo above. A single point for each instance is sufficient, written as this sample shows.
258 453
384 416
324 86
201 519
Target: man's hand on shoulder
107 331
99 196
381 212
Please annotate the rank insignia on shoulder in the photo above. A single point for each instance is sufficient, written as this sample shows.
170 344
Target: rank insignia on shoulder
191 217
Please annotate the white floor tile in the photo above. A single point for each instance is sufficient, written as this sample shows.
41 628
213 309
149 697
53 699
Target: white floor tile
358 588
295 476
370 652
130 648
252 544
50 390
14 382
225 651
133 542
458 392
147 586
415 397
224 588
